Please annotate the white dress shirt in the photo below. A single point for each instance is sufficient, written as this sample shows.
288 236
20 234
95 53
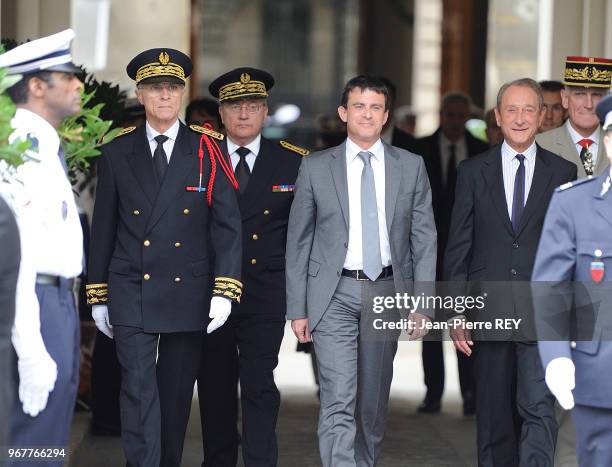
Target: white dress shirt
354 167
510 164
253 146
171 133
575 136
42 200
445 153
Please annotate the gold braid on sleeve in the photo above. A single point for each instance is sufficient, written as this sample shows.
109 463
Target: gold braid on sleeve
228 288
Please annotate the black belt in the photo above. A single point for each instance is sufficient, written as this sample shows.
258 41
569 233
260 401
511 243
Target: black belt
55 281
360 275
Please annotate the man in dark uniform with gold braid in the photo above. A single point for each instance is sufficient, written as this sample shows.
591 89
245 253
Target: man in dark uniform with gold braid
159 214
247 347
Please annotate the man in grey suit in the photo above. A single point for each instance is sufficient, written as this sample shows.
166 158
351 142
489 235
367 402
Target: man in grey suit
572 264
336 263
586 81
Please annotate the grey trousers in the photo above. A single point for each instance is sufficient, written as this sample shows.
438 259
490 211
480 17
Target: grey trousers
355 373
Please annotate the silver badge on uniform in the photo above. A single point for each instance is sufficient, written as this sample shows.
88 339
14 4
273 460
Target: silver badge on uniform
64 210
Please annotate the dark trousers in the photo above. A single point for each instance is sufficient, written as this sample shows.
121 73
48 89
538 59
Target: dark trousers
60 331
105 387
515 417
433 369
593 435
155 396
245 348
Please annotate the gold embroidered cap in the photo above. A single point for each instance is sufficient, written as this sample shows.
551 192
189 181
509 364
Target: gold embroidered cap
156 65
242 83
588 72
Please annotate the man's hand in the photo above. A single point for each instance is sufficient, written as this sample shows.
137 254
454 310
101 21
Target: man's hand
220 309
561 379
462 337
418 329
100 316
300 329
36 380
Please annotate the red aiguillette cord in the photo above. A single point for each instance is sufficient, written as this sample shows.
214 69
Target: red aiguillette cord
215 154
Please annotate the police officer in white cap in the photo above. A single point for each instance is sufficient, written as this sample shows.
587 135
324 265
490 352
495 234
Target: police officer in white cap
46 333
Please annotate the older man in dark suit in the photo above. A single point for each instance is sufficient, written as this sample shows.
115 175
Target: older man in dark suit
497 218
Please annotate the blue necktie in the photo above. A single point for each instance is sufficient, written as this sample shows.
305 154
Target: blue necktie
372 262
518 200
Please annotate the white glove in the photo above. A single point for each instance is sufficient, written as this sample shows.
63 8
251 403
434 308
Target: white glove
36 380
220 309
560 379
100 316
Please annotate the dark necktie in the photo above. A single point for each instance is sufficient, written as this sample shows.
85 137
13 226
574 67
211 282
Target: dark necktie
160 161
585 155
242 171
451 172
518 200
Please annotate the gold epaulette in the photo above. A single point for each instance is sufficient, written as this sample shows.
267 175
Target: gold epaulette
96 293
126 130
228 288
207 131
294 148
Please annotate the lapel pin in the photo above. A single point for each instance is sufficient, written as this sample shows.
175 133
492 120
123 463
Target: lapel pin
282 188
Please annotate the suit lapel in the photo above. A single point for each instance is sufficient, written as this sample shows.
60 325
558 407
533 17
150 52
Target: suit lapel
263 171
393 176
542 177
141 163
493 175
602 159
567 149
181 161
337 163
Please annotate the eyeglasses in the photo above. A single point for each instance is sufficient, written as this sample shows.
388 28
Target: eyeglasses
250 107
157 89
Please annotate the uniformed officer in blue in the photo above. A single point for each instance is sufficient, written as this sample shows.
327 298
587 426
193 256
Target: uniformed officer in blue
247 347
161 211
46 331
574 263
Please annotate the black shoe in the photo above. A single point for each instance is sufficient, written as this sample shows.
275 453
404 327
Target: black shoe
428 406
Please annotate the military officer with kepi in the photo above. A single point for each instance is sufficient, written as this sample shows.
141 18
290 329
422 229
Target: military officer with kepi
165 202
45 335
247 347
575 255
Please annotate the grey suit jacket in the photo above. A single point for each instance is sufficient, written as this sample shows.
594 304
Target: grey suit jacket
559 141
318 232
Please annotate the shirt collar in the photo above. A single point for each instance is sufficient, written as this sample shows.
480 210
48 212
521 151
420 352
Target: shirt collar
509 153
352 150
253 146
27 123
445 142
171 132
575 136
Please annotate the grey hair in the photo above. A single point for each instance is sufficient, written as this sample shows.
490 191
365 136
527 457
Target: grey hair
523 82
